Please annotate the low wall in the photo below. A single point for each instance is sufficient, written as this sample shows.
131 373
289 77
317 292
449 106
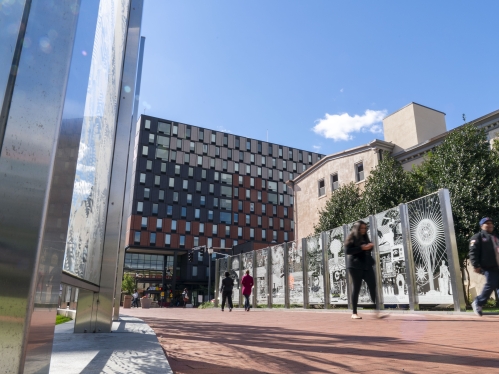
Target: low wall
67 313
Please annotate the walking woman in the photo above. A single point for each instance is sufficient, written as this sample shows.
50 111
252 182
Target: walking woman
360 263
226 290
247 283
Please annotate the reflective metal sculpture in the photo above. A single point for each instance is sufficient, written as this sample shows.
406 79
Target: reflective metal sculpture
391 257
336 264
429 251
261 281
315 270
295 277
234 273
278 280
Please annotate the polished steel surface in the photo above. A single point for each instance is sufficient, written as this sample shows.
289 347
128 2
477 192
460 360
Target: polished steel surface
325 267
217 282
409 258
346 231
286 276
377 268
269 277
30 268
13 19
254 296
113 241
305 272
127 129
78 283
451 248
85 311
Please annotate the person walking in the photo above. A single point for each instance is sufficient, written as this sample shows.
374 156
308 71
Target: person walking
135 301
484 257
359 263
185 296
247 283
226 290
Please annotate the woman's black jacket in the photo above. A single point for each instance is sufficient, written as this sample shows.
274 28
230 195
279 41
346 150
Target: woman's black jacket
356 257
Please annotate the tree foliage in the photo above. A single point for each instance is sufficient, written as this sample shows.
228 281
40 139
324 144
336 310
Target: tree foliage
128 284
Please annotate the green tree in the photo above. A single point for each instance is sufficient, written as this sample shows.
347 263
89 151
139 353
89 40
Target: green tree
387 186
464 164
343 207
128 284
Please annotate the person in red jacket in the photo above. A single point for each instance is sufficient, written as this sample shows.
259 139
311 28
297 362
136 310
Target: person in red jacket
247 283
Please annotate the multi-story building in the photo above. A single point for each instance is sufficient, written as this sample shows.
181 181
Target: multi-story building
195 186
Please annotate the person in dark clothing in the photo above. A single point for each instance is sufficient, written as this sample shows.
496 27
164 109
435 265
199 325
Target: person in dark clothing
484 257
359 263
226 290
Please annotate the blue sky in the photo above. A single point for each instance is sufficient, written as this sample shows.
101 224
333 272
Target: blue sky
248 67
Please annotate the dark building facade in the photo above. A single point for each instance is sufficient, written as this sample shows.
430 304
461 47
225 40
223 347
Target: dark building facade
195 186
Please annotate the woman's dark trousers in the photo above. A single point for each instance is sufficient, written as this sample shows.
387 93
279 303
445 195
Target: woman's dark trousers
357 276
246 301
227 295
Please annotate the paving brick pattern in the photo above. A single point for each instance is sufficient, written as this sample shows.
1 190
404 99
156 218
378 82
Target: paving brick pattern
279 341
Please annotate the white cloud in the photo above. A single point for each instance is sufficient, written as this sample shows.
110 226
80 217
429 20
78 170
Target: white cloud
341 90
82 188
223 129
316 147
342 126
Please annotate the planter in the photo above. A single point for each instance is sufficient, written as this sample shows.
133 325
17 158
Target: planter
146 303
127 301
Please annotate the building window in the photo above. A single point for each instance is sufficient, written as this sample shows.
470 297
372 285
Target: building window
171 182
290 154
188 132
222 243
186 158
175 130
196 241
198 186
136 237
252 207
309 158
140 206
252 233
239 232
210 215
259 195
157 180
274 236
202 200
168 239
147 125
161 196
225 218
142 178
173 225
200 160
259 220
284 164
240 206
248 194
274 210
201 228
280 152
212 163
212 188
144 222
236 192
192 146
226 140
241 180
248 219
248 169
359 172
147 193
201 135
270 149
187 226
217 176
259 171
183 212
205 149
196 213
179 143
214 230
163 167
237 142
200 256
159 224
236 218
152 238
285 236
322 188
177 169
185 184
191 172
169 210
248 145
264 208
236 167
227 230
285 211
300 156
215 202
209 242
281 223
149 165
145 150
334 182
271 222
182 240
274 162
264 234
217 151
213 137
175 197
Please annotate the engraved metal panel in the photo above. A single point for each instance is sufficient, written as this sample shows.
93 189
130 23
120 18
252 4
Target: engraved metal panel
432 275
261 281
337 270
391 254
278 280
223 266
315 270
295 277
247 264
234 273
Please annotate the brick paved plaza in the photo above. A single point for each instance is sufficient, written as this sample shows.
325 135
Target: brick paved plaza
279 341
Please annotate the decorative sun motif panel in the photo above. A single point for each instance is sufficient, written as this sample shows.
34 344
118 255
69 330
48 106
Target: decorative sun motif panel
278 280
392 259
261 281
433 279
295 270
315 270
336 265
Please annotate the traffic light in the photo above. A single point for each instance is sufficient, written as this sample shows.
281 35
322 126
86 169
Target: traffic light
190 256
202 251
